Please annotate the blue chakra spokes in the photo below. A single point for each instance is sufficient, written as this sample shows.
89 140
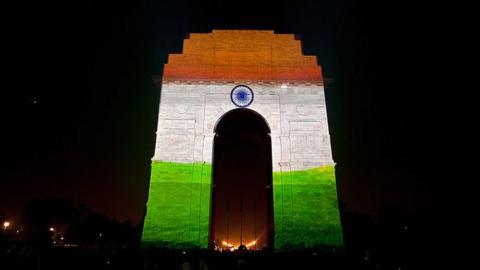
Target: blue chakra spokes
242 96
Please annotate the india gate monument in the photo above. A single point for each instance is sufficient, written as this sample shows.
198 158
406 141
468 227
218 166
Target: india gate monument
242 156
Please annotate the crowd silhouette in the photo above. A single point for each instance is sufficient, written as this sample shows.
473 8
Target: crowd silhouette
54 233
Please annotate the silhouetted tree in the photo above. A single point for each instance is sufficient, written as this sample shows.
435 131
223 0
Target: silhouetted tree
46 217
97 229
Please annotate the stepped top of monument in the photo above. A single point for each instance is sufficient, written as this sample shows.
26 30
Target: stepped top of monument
241 56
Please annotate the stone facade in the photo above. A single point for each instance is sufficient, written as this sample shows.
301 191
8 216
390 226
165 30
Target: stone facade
288 90
295 113
242 55
288 93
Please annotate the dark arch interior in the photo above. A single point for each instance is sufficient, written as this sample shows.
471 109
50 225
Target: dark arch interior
242 205
242 119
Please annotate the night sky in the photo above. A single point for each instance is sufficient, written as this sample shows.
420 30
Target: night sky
79 109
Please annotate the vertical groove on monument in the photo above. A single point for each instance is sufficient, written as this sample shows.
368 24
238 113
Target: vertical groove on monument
289 94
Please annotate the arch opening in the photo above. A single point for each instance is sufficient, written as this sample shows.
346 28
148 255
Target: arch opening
242 194
243 117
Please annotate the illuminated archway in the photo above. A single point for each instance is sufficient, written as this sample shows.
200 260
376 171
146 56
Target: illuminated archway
242 196
215 74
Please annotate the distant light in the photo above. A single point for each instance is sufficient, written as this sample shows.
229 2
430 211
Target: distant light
226 244
284 86
100 234
61 238
52 229
183 252
6 224
251 243
229 246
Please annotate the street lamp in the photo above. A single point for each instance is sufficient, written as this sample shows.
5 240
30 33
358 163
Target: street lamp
6 224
